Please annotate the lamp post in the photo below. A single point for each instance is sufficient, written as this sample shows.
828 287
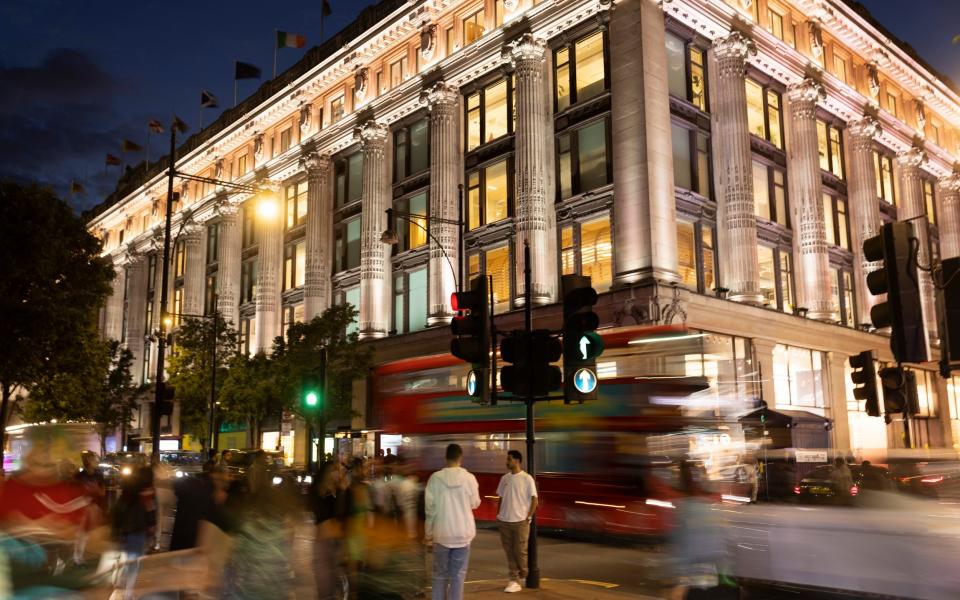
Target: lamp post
392 238
172 173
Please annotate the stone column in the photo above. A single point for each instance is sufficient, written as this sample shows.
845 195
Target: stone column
375 306
136 311
836 376
228 261
113 321
763 351
864 204
644 207
195 271
949 221
803 162
269 261
535 220
445 174
911 205
316 289
737 221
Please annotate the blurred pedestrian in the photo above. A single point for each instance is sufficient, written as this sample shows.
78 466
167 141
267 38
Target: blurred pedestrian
197 500
517 500
166 500
697 542
324 490
451 497
92 481
133 519
357 510
843 479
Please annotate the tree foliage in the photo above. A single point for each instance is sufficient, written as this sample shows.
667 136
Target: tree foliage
190 368
54 282
253 390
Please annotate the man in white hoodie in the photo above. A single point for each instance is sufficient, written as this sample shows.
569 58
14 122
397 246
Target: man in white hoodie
451 497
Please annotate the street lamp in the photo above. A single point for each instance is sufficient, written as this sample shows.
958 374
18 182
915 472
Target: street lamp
391 237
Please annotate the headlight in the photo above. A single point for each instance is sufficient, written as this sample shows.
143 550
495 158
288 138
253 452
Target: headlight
308 478
179 473
277 480
126 471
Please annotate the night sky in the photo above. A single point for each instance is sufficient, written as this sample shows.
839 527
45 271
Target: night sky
77 78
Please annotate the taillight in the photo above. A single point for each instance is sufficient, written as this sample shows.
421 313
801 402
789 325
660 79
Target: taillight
854 490
796 489
932 479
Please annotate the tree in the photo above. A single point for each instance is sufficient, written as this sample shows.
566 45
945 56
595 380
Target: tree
253 390
99 389
54 282
347 360
190 369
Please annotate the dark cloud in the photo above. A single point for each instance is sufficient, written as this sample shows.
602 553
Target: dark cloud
57 117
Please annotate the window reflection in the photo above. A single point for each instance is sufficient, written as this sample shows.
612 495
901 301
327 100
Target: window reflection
597 253
798 377
590 66
495 111
686 254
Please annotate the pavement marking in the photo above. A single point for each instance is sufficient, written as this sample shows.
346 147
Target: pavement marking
603 584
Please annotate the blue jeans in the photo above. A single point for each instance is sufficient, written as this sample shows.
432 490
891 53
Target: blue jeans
449 571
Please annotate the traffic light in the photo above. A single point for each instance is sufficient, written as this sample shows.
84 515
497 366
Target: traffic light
581 343
530 355
864 378
311 393
471 330
897 247
951 304
899 391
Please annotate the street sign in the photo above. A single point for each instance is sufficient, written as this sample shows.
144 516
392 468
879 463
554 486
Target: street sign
473 383
585 380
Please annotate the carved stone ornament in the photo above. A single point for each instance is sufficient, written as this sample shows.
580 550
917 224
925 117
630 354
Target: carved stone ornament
807 90
361 81
439 93
185 194
816 39
912 158
258 147
527 48
428 41
510 5
873 80
746 4
225 206
868 128
921 116
306 114
371 133
950 183
218 169
315 163
734 46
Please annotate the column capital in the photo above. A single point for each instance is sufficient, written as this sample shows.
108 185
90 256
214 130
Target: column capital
950 183
867 128
734 47
316 164
191 231
440 94
527 49
226 207
371 134
806 91
912 158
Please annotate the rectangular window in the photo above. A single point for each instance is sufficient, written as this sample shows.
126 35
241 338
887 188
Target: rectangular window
930 201
883 171
785 274
841 293
775 23
496 263
580 71
285 138
176 315
412 230
180 259
451 38
411 150
410 301
892 104
798 376
291 314
499 12
770 193
213 242
296 201
582 161
249 224
348 179
840 67
568 251
241 165
776 278
836 221
696 255
686 71
248 335
294 265
763 113
398 72
210 295
489 113
248 281
473 27
489 194
151 272
830 148
687 253
691 168
351 296
596 252
347 245
336 109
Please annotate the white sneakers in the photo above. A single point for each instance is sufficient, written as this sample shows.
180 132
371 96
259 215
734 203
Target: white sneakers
512 587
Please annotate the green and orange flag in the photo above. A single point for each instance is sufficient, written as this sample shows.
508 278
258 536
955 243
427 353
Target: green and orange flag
285 39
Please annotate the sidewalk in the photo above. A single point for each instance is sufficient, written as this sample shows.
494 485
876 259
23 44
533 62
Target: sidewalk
550 589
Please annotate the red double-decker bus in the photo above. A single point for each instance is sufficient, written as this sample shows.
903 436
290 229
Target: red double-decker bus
606 466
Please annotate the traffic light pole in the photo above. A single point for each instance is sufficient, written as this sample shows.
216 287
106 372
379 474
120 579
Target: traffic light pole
533 568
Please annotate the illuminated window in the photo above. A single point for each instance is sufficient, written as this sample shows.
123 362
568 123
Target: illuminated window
247 334
294 265
836 221
296 201
686 254
696 257
763 113
210 295
213 237
285 138
398 72
248 280
473 27
451 38
241 165
798 377
336 109
840 67
489 194
842 295
930 201
770 193
499 12
347 244
781 26
830 148
596 252
348 179
411 231
489 113
176 314
249 236
892 104
935 134
686 71
410 300
180 259
411 150
582 161
291 314
691 159
497 264
883 172
776 277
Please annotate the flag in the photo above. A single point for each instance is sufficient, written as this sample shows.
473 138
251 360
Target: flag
113 160
246 71
327 11
285 39
129 146
76 188
207 100
179 125
155 126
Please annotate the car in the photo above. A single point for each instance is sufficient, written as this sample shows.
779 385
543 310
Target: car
184 463
820 484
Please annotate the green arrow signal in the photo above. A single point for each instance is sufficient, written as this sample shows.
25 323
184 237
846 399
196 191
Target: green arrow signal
590 345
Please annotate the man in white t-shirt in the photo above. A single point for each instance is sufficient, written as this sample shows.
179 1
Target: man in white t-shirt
518 501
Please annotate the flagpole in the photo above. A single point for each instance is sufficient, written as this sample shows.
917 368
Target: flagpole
322 3
275 34
201 109
147 166
234 91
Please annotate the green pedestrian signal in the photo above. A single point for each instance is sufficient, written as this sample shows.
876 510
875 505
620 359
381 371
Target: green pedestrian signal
310 392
